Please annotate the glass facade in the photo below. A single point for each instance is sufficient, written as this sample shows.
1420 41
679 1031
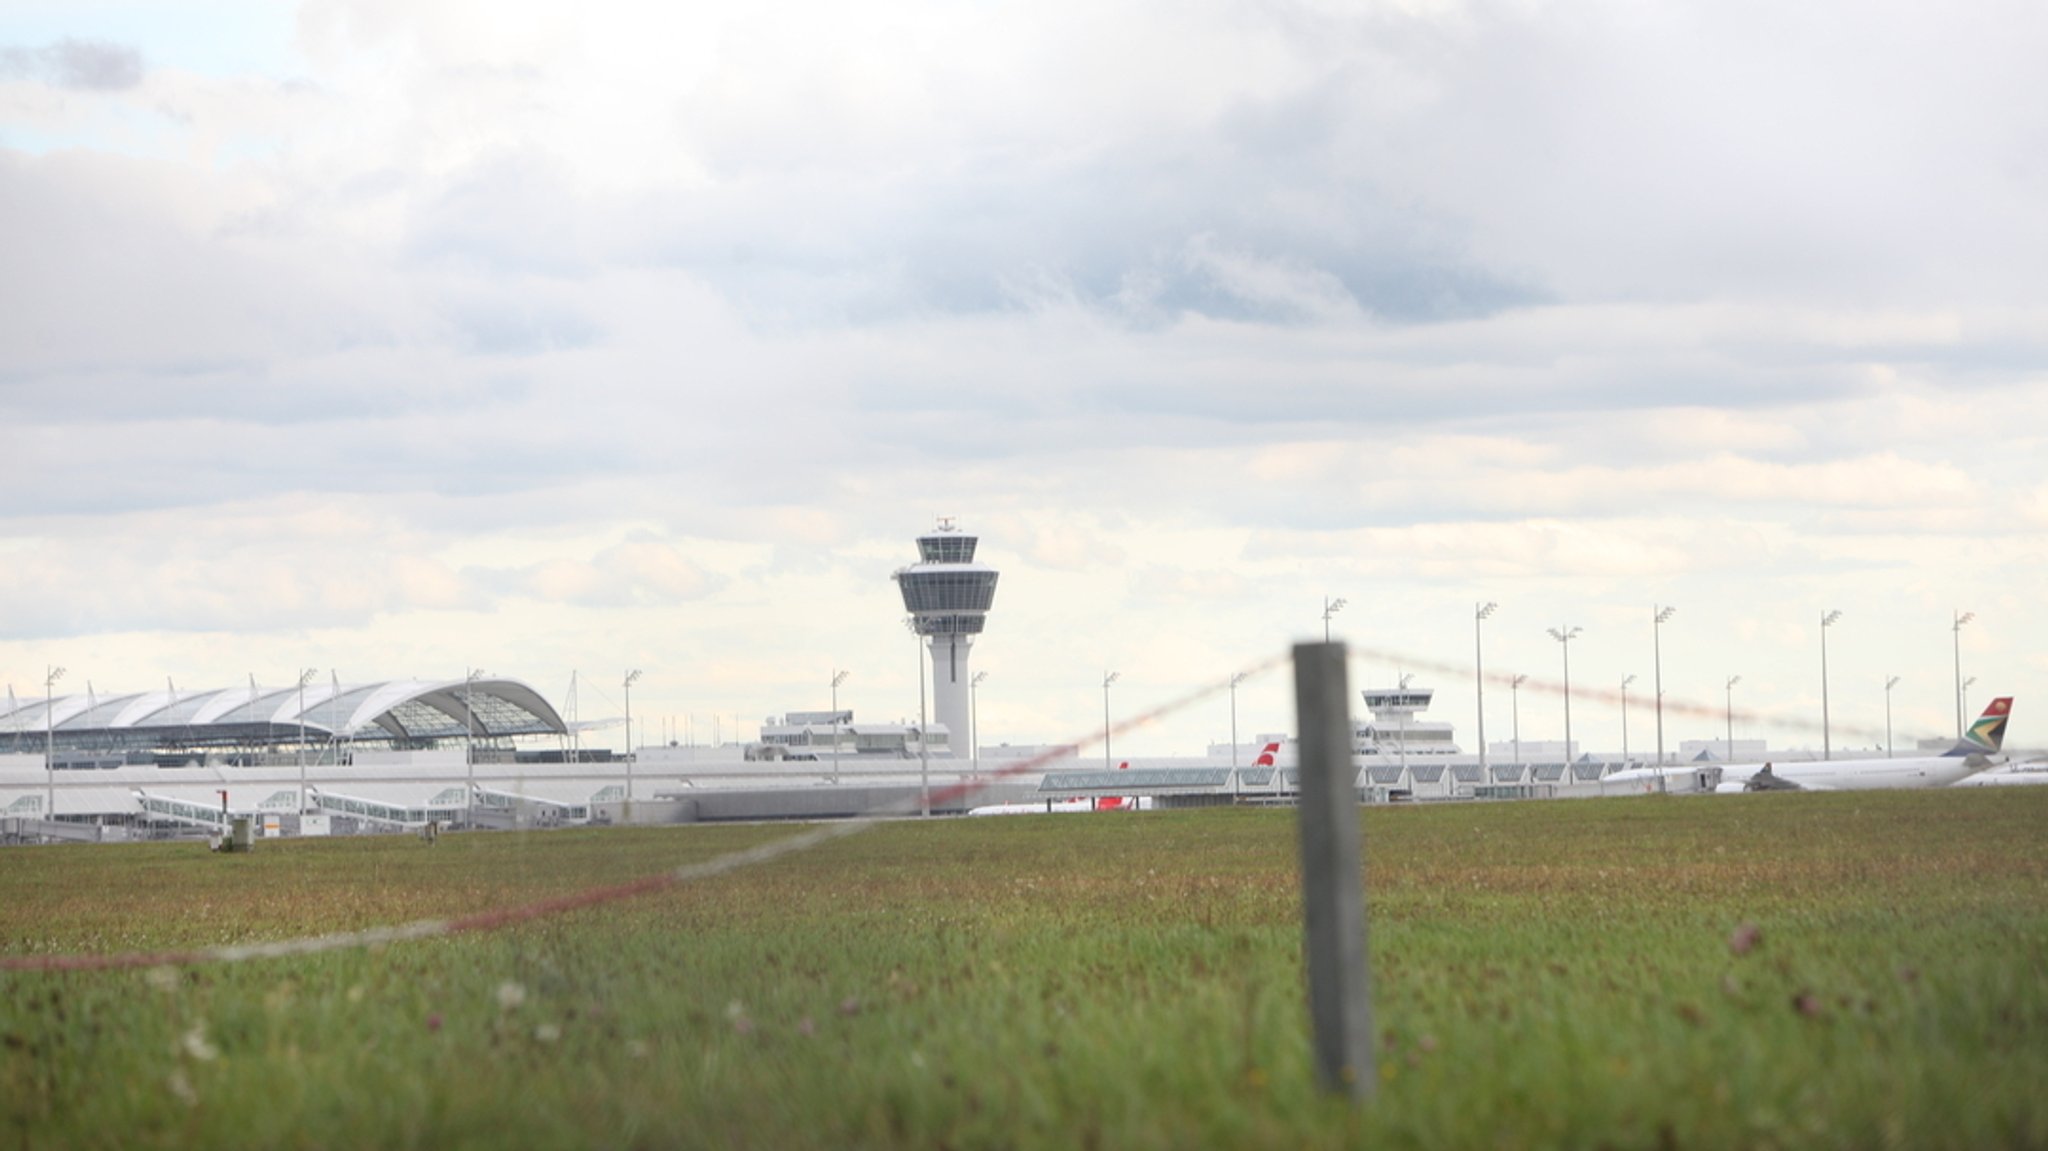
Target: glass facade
944 591
420 712
947 549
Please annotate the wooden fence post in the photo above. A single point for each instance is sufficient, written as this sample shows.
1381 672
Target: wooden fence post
1332 883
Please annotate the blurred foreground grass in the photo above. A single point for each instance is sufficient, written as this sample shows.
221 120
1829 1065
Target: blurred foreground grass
1546 974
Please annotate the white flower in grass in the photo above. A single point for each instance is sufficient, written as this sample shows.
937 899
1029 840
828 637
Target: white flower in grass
197 1047
182 1088
510 995
547 1033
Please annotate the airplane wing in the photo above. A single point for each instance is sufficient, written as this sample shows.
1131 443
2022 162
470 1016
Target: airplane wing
1767 780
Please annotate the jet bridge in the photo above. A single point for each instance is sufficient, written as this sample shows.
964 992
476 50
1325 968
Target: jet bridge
525 809
445 806
184 811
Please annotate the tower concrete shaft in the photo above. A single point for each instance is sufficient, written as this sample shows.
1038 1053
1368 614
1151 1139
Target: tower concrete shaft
949 596
951 705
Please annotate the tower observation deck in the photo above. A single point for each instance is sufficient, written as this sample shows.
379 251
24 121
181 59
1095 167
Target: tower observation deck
948 596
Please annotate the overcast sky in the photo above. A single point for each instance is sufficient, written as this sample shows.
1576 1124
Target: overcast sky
401 337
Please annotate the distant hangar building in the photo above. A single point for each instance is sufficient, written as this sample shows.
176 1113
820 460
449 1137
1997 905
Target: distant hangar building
250 724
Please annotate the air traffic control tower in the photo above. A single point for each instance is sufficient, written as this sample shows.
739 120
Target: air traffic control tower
948 596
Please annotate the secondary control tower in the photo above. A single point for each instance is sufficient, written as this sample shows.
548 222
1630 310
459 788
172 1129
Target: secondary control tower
948 596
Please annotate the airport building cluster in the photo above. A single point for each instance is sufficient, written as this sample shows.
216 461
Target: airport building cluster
324 757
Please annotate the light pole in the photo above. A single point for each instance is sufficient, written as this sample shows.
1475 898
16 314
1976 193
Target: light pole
1564 636
50 677
1626 680
1967 684
469 742
1890 682
1515 702
1479 614
838 677
1732 681
1827 620
1660 616
1108 677
1962 617
924 762
1330 607
974 717
1234 681
632 677
305 677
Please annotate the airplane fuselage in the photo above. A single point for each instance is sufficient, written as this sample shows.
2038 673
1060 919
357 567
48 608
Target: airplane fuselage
1858 774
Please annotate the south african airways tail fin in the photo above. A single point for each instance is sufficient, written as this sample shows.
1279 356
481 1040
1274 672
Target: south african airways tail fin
1987 735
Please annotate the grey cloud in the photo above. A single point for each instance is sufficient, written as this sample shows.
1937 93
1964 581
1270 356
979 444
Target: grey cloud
1286 184
639 571
513 212
521 328
81 65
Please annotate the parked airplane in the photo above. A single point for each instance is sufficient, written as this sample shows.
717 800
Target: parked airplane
1067 806
1968 757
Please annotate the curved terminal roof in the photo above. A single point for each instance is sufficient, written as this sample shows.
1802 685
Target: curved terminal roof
400 710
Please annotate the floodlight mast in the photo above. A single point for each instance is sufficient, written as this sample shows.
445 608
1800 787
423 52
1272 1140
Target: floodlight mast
469 743
1730 688
1962 617
974 719
1890 682
305 677
1331 607
1515 703
838 677
1660 616
1827 620
1626 680
924 763
632 677
50 677
1108 677
1480 614
1236 679
1564 636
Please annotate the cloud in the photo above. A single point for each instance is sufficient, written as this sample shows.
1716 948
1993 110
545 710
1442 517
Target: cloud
675 323
78 65
635 572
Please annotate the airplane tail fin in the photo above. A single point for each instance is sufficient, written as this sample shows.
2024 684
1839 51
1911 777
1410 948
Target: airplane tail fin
1266 757
1987 735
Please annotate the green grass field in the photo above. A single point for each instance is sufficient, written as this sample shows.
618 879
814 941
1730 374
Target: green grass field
1546 974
